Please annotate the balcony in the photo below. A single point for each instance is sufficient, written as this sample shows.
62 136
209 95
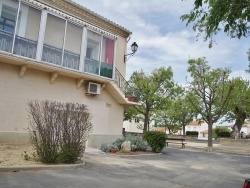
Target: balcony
25 47
124 86
71 60
6 40
59 42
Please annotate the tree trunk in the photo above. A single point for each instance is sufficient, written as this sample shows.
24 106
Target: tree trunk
240 119
237 127
183 131
148 125
145 127
210 137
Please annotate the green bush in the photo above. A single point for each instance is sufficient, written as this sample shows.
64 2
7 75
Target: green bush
137 142
192 133
107 147
119 142
155 139
221 132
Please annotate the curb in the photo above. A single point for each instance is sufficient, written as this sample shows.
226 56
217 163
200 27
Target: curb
219 150
40 167
139 155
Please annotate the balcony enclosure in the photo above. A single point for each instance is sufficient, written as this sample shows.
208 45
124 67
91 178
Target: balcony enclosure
53 40
27 32
8 19
38 34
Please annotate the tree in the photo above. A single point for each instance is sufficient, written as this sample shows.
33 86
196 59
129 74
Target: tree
210 92
239 106
152 91
182 111
211 16
130 113
162 120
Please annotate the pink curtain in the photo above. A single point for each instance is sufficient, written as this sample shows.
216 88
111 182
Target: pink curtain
109 55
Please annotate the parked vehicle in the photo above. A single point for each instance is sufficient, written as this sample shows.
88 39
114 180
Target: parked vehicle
246 183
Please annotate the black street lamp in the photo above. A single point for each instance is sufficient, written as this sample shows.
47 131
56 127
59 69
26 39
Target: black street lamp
134 48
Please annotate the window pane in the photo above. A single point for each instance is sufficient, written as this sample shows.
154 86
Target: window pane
53 40
92 59
107 57
27 32
93 45
7 23
72 48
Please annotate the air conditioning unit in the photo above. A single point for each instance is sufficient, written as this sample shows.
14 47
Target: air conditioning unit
93 88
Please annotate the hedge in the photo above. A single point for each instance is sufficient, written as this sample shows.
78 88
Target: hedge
192 133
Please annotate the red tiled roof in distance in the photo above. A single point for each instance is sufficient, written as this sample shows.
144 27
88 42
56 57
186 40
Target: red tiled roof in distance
194 123
204 132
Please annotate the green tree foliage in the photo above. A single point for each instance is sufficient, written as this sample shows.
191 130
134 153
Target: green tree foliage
156 140
239 106
192 133
182 111
130 113
211 16
162 120
152 91
221 132
210 92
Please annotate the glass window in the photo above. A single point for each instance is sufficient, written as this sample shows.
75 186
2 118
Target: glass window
27 32
53 40
93 48
8 18
107 57
7 24
72 48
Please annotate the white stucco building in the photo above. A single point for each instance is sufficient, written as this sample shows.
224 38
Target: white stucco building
58 50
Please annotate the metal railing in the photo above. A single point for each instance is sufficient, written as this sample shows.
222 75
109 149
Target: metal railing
6 40
124 86
71 60
120 81
25 47
91 66
52 54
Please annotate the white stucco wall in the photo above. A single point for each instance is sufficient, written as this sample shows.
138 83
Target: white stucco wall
107 115
132 126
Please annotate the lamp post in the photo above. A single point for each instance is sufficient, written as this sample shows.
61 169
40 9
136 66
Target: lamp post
134 48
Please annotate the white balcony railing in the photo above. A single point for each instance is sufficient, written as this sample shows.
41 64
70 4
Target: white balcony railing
6 40
25 47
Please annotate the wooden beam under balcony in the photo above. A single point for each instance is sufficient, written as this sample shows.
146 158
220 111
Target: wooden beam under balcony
79 82
53 77
22 71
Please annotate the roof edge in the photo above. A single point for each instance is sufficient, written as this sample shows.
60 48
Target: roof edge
98 16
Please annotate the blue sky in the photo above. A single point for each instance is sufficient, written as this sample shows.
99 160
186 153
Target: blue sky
164 40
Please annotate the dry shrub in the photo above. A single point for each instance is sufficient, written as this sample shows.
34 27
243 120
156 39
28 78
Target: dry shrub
58 131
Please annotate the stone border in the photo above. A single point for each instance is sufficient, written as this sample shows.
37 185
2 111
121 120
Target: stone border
40 167
133 155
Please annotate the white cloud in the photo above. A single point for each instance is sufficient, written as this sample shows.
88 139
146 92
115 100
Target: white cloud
166 41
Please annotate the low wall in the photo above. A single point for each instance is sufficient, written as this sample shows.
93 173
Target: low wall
14 137
233 141
95 141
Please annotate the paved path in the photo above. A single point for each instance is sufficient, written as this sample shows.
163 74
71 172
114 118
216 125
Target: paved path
175 168
224 148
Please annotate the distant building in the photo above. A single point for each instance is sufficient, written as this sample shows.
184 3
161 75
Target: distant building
135 125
